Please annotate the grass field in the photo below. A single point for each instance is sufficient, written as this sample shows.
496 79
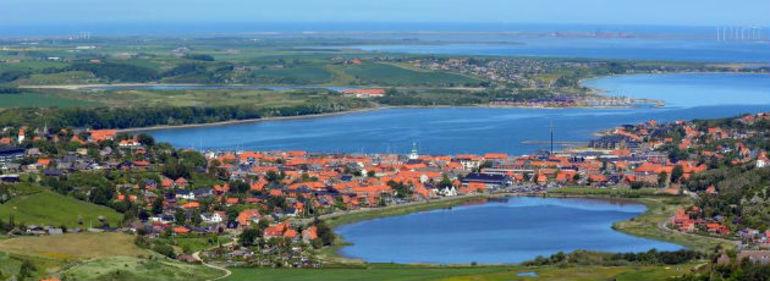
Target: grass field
372 272
383 272
76 246
96 256
68 77
120 98
306 74
134 269
391 75
191 244
8 265
39 100
44 207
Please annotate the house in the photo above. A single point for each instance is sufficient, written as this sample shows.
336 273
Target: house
310 234
247 217
762 160
103 135
130 143
214 218
275 230
185 194
11 153
181 183
755 256
180 230
364 93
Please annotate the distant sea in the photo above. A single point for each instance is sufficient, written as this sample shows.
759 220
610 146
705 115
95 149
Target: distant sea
234 28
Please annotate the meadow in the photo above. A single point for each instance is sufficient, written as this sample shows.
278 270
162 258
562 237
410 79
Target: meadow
31 99
388 272
41 206
97 257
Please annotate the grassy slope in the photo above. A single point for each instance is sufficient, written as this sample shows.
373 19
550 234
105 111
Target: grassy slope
133 269
74 246
96 256
44 207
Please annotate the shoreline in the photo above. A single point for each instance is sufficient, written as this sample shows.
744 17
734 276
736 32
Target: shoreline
594 91
353 111
251 120
338 113
650 201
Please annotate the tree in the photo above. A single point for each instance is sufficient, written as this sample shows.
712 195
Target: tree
677 173
239 186
402 190
325 233
157 205
662 179
248 237
165 250
180 216
145 139
445 182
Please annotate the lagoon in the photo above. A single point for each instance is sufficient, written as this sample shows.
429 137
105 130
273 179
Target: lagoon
480 129
516 230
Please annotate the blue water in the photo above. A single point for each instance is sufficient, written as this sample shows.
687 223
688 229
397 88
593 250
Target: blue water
710 89
702 50
480 130
503 232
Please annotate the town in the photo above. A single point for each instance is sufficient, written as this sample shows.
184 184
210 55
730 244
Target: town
271 205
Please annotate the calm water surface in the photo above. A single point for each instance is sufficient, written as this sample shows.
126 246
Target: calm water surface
598 48
519 229
480 130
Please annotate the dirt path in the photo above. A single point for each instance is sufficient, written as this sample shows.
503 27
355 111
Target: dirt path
197 256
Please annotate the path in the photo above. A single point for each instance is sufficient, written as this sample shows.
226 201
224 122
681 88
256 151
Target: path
197 257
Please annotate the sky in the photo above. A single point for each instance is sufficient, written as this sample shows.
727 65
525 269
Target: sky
653 12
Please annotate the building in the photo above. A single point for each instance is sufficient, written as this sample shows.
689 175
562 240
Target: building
758 257
489 180
11 153
364 93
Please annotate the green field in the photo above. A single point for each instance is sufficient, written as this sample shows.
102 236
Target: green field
392 75
95 256
381 272
44 207
40 100
134 269
68 77
74 246
372 272
301 75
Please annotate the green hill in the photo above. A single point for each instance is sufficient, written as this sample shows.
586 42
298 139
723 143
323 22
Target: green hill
40 206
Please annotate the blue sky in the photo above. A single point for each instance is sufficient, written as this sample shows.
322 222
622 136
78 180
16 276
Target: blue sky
659 12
